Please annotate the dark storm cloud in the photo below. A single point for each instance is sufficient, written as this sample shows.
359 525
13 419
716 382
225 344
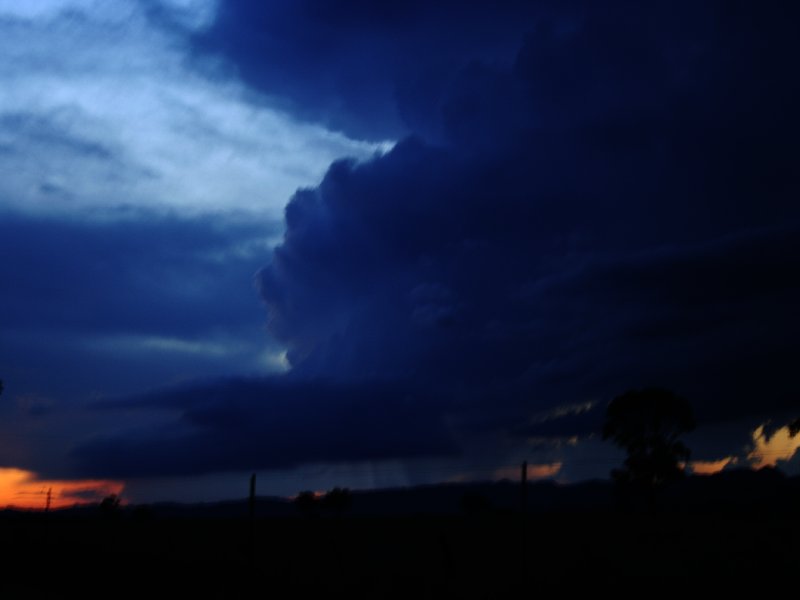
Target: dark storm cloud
383 69
144 274
713 320
104 304
574 424
610 211
372 69
614 208
277 422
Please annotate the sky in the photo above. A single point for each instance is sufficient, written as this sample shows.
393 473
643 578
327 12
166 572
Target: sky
382 244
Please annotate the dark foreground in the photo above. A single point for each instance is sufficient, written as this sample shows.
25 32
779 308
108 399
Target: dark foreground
482 554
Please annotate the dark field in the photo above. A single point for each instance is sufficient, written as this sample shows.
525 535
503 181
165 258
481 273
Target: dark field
481 555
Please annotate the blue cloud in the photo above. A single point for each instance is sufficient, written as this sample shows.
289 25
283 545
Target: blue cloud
368 70
611 154
107 304
612 206
235 424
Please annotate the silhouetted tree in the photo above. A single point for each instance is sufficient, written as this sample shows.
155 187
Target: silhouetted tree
110 505
794 426
337 500
306 502
647 424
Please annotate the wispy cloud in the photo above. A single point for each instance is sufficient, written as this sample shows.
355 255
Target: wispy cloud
100 110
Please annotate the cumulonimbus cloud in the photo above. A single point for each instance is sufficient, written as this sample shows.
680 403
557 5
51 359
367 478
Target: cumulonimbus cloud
615 208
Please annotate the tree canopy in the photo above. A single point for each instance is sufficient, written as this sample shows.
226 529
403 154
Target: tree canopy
647 423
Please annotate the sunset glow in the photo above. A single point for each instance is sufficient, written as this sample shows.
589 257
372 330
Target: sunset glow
769 449
22 489
542 471
710 467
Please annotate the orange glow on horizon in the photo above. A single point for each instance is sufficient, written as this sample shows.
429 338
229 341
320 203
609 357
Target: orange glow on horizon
542 471
316 493
22 489
711 467
767 451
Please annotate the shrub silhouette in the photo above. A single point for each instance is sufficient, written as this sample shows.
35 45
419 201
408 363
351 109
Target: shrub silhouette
647 424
